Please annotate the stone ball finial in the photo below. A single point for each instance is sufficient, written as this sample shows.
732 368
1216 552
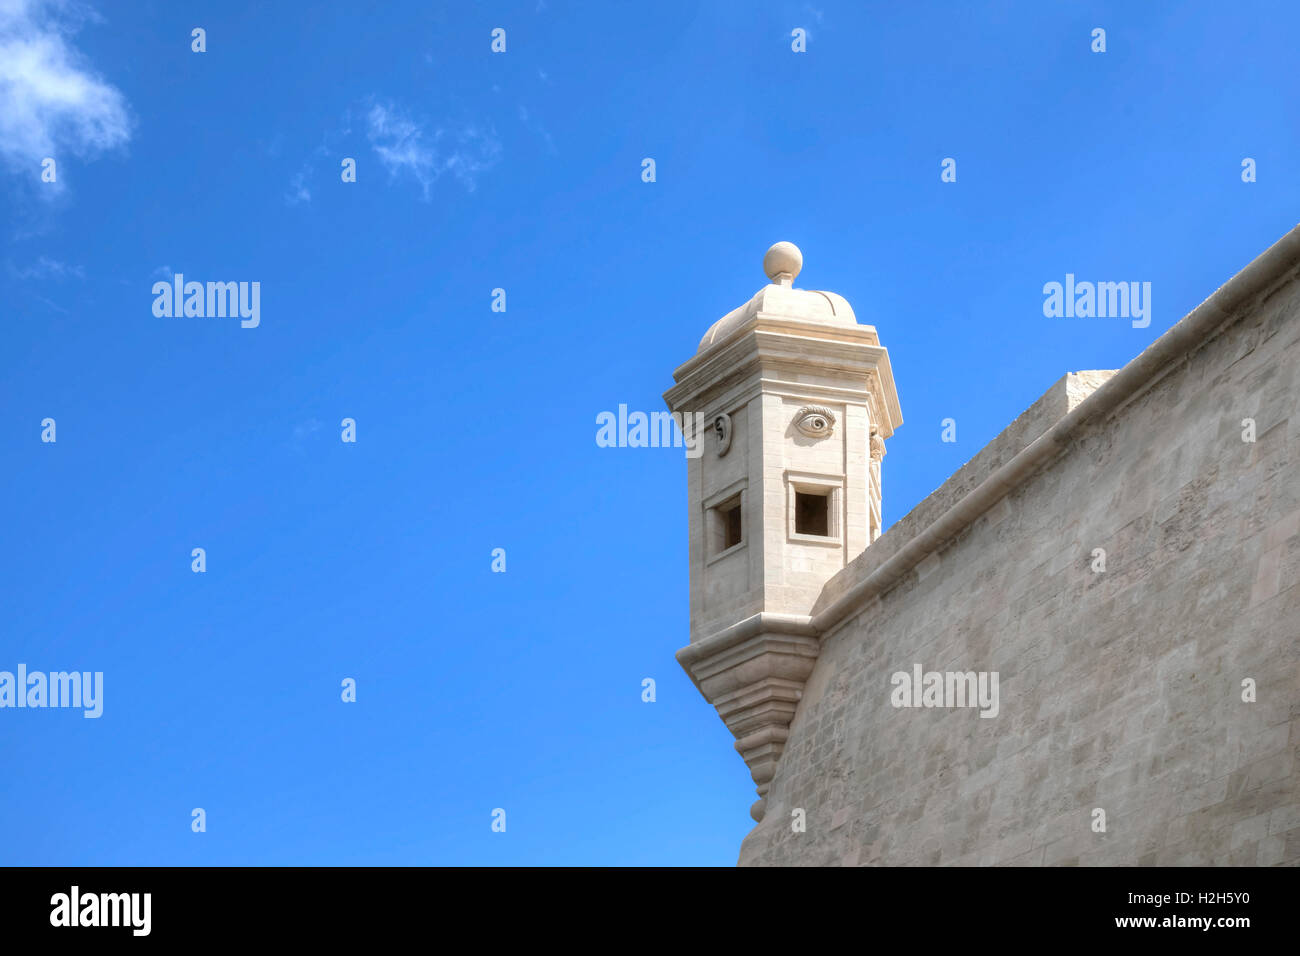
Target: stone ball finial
783 262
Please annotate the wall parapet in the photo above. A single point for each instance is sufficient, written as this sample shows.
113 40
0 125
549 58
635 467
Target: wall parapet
1042 433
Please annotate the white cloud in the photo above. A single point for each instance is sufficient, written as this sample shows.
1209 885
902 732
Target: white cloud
300 182
47 268
404 147
298 191
52 102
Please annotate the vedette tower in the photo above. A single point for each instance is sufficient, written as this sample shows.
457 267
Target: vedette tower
787 492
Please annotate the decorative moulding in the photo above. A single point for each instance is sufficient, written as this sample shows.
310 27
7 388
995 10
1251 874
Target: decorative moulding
754 673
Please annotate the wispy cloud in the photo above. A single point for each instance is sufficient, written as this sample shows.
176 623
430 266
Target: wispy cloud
163 272
404 148
47 268
309 427
300 183
298 191
301 432
53 306
536 126
52 102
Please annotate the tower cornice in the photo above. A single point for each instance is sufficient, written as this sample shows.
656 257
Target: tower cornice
768 344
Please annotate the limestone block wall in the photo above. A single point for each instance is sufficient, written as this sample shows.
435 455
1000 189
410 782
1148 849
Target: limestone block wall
728 586
1119 690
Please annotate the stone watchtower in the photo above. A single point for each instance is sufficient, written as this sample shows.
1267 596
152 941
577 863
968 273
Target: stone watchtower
799 399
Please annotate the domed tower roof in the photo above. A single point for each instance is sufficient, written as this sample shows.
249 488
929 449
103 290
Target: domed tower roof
792 333
781 264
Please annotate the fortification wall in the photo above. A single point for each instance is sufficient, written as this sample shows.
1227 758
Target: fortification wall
1119 690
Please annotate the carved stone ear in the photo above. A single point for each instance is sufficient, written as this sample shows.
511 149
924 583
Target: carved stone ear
722 429
815 421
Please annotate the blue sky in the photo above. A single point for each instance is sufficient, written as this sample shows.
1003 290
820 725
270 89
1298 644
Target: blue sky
475 429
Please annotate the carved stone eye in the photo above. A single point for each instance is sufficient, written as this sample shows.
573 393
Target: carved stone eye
815 421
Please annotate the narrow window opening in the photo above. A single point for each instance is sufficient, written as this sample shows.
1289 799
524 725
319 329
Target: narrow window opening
811 513
730 525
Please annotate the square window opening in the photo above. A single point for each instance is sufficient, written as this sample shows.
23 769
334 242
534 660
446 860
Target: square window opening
812 513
